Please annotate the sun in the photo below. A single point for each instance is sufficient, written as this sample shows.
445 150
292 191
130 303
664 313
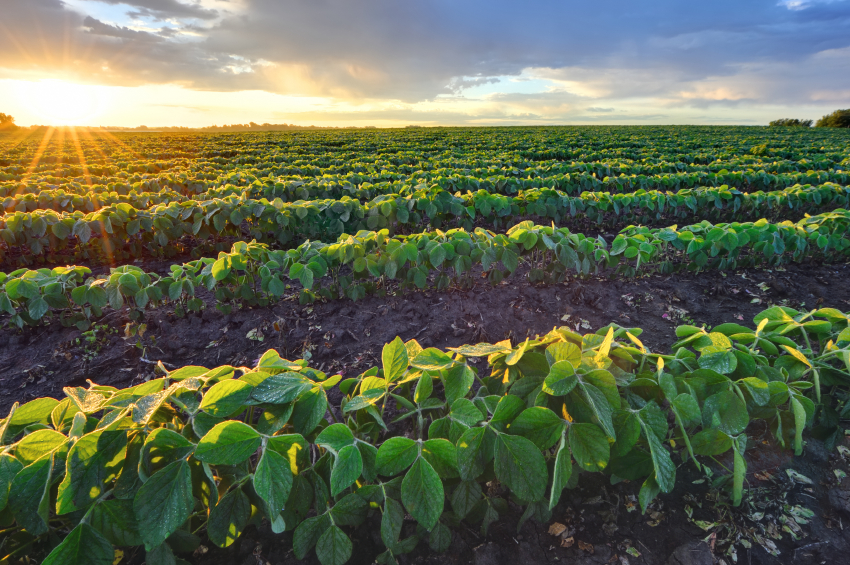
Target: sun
62 103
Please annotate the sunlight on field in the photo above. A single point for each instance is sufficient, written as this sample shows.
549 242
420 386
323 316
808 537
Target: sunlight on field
63 103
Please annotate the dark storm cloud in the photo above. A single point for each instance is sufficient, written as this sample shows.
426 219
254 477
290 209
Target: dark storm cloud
412 51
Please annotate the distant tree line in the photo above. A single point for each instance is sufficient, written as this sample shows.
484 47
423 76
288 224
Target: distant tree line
791 123
251 126
7 123
837 119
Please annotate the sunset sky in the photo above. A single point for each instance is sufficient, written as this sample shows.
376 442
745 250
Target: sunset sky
429 62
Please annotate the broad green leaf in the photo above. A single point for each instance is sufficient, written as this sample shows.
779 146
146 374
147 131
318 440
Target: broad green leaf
431 359
561 380
422 493
391 522
281 389
726 412
164 503
116 521
226 397
665 469
228 518
9 468
599 406
442 455
333 547
273 481
520 465
542 426
229 443
440 538
718 359
347 468
394 357
589 446
458 382
473 453
29 495
92 461
711 442
395 455
36 444
350 511
307 534
335 437
310 408
465 496
83 546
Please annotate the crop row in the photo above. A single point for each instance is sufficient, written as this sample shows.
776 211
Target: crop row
218 449
364 263
124 229
289 187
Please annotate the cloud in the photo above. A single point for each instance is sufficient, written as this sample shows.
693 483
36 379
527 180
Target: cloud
165 9
589 58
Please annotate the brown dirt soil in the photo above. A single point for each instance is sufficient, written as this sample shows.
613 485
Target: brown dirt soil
345 336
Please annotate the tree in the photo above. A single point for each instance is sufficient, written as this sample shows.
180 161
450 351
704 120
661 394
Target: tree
7 123
791 122
837 119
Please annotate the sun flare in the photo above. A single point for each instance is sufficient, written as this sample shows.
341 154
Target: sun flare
63 103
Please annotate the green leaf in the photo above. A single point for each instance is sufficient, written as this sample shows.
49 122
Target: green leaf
335 437
226 397
83 546
273 481
599 406
29 495
711 442
440 538
281 389
333 547
391 522
589 446
442 455
458 382
561 379
464 498
350 511
473 453
229 517
431 359
395 455
648 491
9 468
229 443
718 359
665 469
164 503
394 357
307 534
726 412
160 555
37 307
540 425
562 472
799 423
520 465
347 468
116 521
422 493
310 408
93 460
35 445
